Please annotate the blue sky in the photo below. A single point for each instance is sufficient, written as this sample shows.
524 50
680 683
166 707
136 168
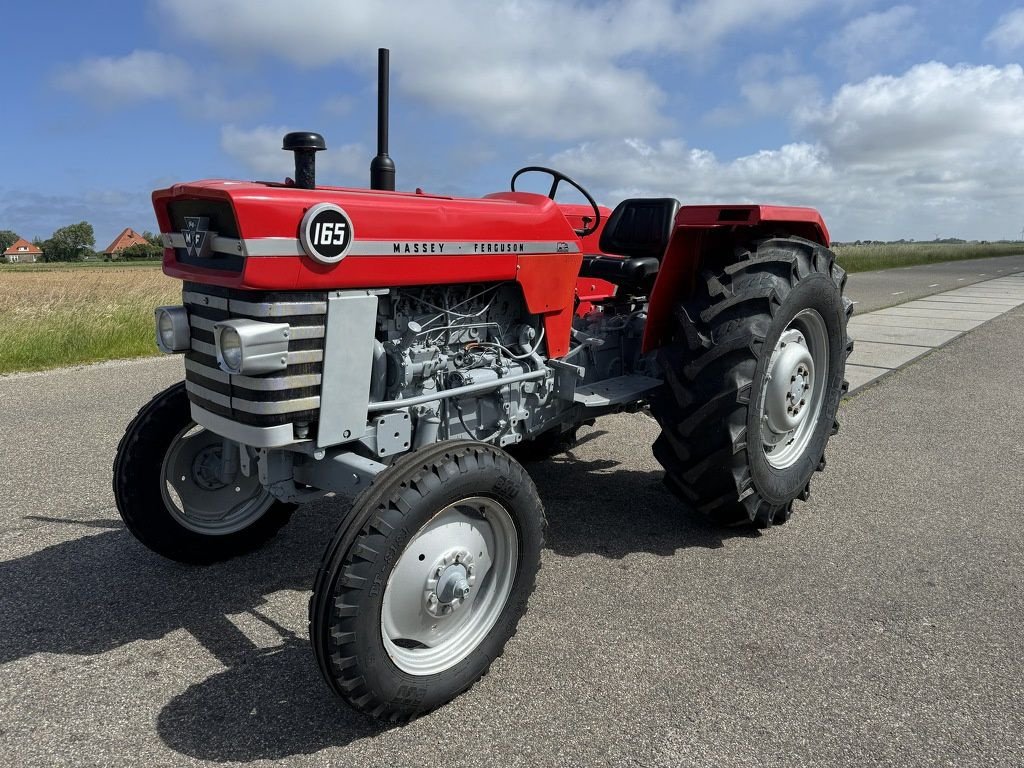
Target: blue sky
895 119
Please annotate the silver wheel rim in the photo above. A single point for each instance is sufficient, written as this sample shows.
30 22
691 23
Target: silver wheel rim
449 586
194 494
793 391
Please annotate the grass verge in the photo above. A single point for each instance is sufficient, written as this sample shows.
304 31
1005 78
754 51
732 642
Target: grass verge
54 315
866 258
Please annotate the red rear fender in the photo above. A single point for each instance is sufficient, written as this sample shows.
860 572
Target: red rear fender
704 229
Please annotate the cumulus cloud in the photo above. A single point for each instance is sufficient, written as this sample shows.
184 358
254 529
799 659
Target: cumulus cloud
873 40
1007 36
533 68
259 150
118 80
937 149
114 81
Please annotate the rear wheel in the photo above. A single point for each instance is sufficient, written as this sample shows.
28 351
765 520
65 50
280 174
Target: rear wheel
754 375
427 579
173 495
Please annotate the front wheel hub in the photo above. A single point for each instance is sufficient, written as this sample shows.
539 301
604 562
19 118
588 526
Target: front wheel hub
449 583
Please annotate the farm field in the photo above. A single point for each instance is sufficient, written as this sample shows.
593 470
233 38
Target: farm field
63 314
54 315
872 256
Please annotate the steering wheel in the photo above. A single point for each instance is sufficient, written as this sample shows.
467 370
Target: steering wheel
557 177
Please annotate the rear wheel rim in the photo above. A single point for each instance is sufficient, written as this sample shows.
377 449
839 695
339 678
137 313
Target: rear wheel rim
428 625
794 388
194 494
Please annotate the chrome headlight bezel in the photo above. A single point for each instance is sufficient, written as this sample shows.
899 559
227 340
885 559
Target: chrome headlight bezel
262 347
173 334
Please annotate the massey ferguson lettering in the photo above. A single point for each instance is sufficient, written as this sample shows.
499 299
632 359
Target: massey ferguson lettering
417 247
497 247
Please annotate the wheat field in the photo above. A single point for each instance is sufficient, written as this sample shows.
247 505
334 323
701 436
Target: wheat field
53 315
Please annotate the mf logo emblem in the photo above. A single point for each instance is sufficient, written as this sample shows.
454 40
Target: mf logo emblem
197 236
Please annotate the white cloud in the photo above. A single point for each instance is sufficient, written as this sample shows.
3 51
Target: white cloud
138 76
1007 36
938 149
870 41
259 150
115 81
532 68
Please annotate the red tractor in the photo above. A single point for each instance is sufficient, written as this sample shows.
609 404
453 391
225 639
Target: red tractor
399 349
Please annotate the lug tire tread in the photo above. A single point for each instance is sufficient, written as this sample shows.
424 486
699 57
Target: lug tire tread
384 505
137 452
703 407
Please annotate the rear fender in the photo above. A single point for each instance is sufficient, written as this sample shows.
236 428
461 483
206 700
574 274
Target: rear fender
704 230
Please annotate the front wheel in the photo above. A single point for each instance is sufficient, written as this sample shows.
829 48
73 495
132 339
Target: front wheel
753 379
426 580
174 496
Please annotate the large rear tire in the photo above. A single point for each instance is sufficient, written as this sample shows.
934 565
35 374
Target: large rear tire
753 378
426 580
171 497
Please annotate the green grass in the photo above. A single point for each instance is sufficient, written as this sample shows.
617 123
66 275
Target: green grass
865 258
61 266
57 315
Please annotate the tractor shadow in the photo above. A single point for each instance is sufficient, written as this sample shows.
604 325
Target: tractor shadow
103 590
597 507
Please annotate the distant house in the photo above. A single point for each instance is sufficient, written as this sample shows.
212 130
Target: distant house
126 239
22 252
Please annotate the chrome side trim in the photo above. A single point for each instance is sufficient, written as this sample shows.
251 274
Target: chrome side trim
277 436
205 300
277 308
229 245
263 408
294 358
290 246
275 384
208 394
294 332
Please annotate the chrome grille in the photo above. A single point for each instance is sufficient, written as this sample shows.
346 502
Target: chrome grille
291 395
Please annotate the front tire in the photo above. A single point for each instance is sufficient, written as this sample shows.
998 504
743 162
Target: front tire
171 497
426 580
753 379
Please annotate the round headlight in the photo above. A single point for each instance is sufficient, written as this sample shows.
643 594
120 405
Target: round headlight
165 327
231 349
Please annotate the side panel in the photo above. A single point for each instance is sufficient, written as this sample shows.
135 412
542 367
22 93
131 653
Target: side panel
549 283
348 359
696 227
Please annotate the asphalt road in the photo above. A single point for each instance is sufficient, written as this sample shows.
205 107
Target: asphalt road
886 287
884 625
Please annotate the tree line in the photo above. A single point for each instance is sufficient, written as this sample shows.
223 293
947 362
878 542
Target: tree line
77 242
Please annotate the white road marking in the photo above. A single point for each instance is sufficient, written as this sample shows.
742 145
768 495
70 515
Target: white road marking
897 293
934 285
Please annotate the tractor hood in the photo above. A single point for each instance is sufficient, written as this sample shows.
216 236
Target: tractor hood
271 236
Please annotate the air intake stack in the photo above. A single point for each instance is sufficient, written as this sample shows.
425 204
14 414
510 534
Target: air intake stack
382 167
305 145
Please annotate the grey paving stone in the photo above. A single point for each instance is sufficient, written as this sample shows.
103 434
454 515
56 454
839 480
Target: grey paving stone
948 298
979 306
878 355
964 314
861 375
920 337
910 321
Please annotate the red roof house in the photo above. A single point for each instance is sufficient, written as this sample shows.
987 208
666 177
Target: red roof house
126 239
23 252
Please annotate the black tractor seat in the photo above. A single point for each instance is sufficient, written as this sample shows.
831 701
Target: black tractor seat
637 234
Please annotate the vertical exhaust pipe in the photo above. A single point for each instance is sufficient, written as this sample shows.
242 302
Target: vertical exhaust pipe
382 167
